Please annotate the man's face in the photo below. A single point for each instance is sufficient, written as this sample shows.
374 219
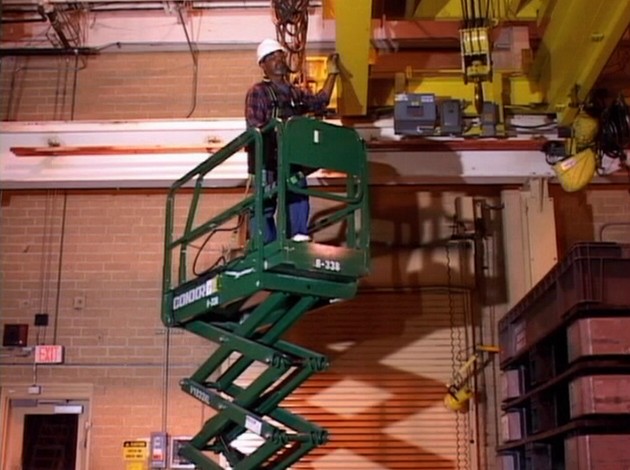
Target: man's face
275 64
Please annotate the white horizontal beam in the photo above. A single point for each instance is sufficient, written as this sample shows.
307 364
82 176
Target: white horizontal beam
161 169
95 170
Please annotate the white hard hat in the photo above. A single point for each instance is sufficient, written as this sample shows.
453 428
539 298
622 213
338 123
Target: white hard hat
266 47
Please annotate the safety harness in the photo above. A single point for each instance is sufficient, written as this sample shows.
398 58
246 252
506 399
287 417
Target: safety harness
283 112
280 110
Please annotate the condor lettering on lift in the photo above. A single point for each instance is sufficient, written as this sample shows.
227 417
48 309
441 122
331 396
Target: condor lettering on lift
192 295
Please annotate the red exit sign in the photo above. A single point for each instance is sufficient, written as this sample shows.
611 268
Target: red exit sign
48 354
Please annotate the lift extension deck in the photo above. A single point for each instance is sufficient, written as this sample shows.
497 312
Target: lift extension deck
246 304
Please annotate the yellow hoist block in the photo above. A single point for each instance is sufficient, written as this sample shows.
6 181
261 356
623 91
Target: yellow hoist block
458 399
476 61
575 172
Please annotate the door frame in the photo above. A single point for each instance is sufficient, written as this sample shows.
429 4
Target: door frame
73 392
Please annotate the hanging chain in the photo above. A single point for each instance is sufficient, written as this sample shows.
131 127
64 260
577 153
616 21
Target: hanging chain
453 330
463 460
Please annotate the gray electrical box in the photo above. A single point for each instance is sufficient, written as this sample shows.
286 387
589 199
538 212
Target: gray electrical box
489 119
415 114
451 122
158 456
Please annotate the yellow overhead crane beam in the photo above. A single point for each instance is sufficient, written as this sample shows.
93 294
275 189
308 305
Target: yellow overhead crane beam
521 10
579 38
578 41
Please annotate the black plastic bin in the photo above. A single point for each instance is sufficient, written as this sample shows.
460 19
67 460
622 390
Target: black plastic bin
590 275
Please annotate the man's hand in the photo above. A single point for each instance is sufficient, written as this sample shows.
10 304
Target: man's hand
332 64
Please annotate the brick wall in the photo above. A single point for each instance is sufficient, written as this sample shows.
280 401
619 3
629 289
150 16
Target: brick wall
111 262
600 214
126 86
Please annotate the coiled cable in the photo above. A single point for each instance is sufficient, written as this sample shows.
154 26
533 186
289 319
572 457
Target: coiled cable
614 131
291 20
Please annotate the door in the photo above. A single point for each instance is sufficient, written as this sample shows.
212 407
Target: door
45 434
50 441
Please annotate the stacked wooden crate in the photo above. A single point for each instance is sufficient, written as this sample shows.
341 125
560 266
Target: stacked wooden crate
565 361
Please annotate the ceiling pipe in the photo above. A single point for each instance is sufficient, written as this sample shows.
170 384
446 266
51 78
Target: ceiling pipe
49 51
105 5
204 4
22 20
102 6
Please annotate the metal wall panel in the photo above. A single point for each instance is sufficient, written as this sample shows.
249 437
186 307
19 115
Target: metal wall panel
382 398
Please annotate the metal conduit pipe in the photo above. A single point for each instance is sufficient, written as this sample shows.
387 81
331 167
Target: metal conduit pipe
151 5
194 52
75 79
22 20
75 70
46 51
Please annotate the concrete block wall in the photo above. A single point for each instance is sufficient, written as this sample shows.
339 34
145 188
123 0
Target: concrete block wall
112 85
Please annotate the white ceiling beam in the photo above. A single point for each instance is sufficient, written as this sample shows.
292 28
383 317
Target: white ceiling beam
161 169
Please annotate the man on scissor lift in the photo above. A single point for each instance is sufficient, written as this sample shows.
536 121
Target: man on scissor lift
275 97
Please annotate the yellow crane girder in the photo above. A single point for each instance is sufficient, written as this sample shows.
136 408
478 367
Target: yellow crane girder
578 41
522 10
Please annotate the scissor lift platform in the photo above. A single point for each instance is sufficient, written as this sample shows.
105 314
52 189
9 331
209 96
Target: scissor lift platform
246 304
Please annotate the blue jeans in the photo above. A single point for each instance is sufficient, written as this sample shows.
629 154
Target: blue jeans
298 213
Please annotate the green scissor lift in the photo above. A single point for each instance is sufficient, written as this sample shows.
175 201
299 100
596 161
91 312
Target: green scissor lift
247 303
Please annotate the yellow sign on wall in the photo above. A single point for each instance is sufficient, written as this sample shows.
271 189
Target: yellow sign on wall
135 451
135 466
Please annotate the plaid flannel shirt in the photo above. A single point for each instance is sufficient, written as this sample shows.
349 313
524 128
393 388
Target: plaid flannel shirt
291 101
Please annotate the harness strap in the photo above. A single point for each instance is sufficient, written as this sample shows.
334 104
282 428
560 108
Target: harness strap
276 112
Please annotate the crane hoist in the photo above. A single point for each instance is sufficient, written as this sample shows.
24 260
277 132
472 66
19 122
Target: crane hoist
246 304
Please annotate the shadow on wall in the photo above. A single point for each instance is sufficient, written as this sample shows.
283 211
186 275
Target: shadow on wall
490 271
599 214
574 218
410 228
415 238
393 349
397 341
